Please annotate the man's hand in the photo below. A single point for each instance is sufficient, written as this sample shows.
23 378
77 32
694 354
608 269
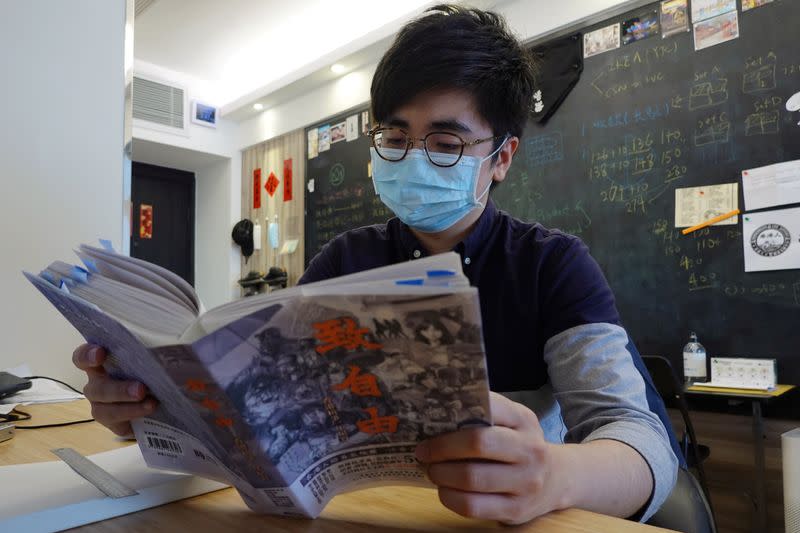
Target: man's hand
114 402
502 473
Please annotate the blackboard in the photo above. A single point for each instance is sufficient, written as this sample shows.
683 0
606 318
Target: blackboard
339 191
653 116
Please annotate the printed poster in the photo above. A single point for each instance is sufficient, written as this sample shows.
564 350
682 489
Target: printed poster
674 17
715 31
313 147
770 240
601 40
352 128
706 9
747 5
324 138
338 132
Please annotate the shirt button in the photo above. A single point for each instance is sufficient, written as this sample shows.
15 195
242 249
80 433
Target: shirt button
467 260
417 253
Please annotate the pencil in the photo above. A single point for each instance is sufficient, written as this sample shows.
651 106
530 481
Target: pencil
711 221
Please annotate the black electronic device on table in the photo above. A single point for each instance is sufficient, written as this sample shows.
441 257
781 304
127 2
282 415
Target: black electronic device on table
11 384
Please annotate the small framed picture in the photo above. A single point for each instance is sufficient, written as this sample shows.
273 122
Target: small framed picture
204 114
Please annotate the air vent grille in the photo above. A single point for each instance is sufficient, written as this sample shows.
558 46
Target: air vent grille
158 103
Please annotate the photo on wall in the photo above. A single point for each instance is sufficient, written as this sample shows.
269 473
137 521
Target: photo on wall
747 5
601 40
716 31
674 17
641 26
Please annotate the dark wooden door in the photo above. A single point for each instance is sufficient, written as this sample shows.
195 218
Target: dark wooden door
163 218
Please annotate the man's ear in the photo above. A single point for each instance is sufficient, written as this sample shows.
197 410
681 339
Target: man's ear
504 158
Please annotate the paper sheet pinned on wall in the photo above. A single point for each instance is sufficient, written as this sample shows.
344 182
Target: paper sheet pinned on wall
695 205
777 184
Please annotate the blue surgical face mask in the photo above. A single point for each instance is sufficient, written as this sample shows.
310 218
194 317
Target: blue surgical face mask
424 196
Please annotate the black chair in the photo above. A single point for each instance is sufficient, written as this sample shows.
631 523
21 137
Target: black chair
686 508
670 388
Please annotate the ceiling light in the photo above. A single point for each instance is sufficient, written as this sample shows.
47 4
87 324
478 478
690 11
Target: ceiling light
337 68
258 106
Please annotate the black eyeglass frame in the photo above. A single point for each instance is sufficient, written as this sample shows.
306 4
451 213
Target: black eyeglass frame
410 142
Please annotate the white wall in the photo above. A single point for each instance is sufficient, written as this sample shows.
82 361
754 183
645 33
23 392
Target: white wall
61 160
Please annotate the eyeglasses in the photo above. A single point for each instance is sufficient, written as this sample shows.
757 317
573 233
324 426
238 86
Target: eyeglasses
442 148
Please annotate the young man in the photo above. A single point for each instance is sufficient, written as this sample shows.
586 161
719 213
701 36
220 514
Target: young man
577 423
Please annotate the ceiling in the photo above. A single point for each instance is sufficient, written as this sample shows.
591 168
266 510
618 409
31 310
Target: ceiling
245 50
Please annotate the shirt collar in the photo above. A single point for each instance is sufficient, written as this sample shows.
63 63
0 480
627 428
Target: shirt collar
469 247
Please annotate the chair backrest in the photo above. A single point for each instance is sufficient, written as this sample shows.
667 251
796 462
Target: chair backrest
686 508
670 388
665 379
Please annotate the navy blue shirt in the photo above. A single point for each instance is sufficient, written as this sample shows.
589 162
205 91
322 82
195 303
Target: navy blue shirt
534 284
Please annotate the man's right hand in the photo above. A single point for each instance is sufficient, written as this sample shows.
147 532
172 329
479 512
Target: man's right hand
114 402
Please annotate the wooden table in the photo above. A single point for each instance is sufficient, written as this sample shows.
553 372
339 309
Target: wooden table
756 397
392 509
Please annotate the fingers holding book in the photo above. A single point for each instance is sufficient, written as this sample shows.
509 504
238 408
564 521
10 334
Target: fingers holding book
114 402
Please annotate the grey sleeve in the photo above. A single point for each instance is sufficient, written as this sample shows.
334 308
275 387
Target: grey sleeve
602 396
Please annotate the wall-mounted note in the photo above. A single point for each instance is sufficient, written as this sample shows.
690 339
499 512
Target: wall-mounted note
695 205
772 185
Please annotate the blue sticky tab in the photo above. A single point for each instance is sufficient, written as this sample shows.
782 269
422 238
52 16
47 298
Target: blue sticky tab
48 276
90 264
418 281
105 243
79 274
441 273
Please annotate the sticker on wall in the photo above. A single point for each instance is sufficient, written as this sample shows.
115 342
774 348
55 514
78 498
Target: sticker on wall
674 17
145 221
313 139
257 188
272 184
287 180
601 40
352 128
338 132
324 138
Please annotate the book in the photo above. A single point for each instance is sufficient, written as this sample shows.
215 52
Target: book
292 396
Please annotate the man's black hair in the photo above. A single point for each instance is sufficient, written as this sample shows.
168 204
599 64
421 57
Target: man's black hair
463 48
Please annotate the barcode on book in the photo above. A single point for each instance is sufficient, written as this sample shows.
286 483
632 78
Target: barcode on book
164 445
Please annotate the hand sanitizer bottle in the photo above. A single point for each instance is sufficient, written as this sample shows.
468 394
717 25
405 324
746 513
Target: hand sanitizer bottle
694 362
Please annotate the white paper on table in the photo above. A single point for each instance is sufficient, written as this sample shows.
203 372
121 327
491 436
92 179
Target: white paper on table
695 205
777 184
771 240
41 391
50 496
